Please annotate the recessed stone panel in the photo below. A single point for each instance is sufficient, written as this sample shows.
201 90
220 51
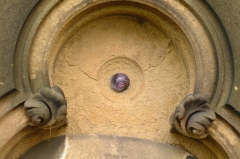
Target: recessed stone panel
121 44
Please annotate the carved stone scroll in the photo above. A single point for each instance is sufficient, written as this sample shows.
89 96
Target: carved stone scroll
47 108
193 116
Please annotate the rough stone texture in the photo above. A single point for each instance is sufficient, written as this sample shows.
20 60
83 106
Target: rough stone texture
222 132
229 14
112 44
104 47
115 44
12 17
93 106
11 124
109 147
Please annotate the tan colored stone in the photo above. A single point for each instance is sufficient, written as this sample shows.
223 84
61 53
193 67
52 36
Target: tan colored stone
11 124
166 55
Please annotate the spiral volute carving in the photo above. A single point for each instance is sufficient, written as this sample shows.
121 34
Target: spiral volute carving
193 116
47 108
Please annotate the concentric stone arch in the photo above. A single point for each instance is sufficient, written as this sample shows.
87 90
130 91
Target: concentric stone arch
198 38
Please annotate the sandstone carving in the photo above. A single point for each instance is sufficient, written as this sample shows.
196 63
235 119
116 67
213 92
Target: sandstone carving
47 108
193 116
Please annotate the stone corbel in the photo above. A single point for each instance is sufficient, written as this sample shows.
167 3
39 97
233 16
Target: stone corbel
47 108
193 116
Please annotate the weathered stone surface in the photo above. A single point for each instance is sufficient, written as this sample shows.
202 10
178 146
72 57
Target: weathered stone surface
10 125
112 44
47 108
103 147
223 133
12 17
229 14
94 107
193 116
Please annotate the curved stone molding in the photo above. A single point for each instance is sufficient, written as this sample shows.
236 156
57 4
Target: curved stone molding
101 146
193 32
193 116
47 108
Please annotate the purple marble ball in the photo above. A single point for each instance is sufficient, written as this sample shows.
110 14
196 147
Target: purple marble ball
120 82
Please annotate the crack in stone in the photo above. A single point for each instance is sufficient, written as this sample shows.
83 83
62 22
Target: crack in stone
81 70
89 76
68 63
154 66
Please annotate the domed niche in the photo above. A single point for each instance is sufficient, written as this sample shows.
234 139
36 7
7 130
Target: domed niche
129 42
81 48
121 44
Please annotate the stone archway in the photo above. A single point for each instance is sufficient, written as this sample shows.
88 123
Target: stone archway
167 49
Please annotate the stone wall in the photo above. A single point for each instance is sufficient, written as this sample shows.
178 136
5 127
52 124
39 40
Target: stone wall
167 49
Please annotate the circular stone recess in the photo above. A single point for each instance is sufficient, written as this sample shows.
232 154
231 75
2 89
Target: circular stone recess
127 44
129 67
